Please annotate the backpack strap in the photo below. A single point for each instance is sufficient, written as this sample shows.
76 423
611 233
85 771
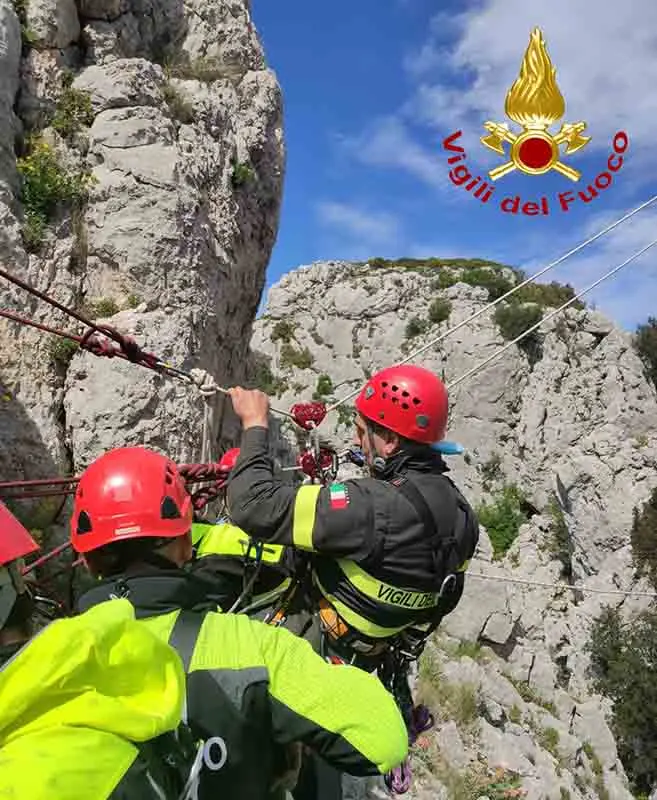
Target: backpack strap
184 634
444 547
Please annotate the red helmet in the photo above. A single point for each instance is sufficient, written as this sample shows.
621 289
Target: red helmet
15 541
129 493
228 460
411 401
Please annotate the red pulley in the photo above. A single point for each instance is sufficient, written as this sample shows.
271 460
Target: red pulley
308 415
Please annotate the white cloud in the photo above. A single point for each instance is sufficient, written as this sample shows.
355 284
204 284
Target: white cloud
630 296
359 223
388 143
605 61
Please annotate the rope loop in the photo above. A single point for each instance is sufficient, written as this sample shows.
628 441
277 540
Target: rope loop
103 340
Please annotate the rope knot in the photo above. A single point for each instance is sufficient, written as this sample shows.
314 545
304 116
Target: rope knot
205 382
107 341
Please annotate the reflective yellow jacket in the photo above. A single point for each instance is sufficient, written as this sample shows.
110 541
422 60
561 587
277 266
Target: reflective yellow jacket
76 698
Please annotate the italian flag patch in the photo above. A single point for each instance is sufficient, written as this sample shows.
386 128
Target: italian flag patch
339 495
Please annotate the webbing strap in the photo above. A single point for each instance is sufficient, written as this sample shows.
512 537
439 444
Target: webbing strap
185 633
442 545
415 498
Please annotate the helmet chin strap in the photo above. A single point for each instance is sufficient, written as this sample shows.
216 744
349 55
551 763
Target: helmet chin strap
375 462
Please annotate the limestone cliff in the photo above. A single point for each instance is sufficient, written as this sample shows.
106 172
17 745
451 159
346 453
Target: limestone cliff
149 139
564 427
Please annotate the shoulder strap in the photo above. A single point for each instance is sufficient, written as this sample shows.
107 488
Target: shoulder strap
444 546
185 633
416 499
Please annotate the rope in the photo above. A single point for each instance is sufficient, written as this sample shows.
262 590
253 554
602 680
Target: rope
208 387
125 346
498 353
511 291
561 586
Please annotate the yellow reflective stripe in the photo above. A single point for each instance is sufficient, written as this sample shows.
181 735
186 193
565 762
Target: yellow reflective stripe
464 566
305 507
229 540
385 593
352 618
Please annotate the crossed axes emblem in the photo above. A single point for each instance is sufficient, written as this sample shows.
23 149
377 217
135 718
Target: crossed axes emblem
570 132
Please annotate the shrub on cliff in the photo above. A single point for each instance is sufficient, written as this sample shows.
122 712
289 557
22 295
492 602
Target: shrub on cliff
502 518
645 343
46 184
643 538
623 665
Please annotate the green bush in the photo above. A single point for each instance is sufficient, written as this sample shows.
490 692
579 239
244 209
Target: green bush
105 307
491 471
645 344
490 279
502 518
439 310
415 326
346 415
264 379
180 109
290 357
61 351
548 739
242 174
28 37
547 294
134 300
324 387
73 112
206 70
283 331
445 279
45 185
623 662
559 545
514 319
643 538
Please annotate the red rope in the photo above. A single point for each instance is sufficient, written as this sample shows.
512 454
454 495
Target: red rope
123 347
42 559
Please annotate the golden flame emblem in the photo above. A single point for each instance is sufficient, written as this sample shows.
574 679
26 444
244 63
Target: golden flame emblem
534 102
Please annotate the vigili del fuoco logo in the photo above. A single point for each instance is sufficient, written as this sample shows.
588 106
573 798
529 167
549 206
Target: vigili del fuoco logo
534 103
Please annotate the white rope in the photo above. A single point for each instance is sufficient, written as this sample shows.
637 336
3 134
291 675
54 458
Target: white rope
556 311
511 291
564 586
209 387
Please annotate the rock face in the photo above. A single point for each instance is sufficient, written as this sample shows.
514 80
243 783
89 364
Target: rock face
182 135
572 425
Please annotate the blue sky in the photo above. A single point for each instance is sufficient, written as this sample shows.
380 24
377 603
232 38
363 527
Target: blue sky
371 88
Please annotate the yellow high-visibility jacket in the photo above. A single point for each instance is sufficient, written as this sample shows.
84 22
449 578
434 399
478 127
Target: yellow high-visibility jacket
77 703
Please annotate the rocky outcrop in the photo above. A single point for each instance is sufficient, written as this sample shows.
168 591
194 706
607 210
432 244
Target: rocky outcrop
571 423
173 113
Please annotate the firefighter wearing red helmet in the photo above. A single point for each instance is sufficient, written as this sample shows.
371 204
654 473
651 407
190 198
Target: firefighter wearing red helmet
132 522
390 551
15 600
59 697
